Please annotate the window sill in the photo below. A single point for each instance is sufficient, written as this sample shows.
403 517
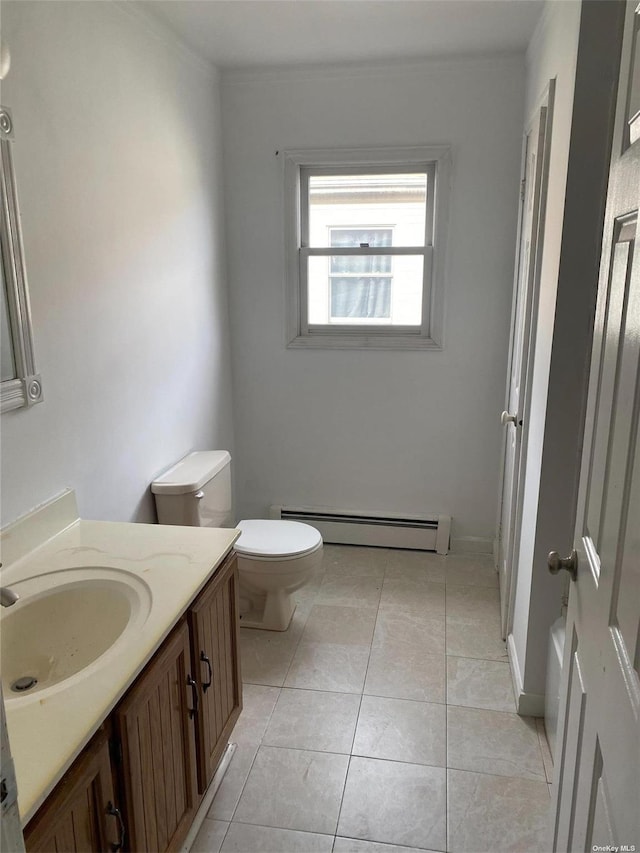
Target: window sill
364 341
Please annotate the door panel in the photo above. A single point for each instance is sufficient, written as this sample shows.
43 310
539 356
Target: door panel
158 750
602 828
598 775
620 451
75 818
615 310
627 580
214 635
537 141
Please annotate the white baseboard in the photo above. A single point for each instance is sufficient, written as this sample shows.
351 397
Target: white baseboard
471 545
372 528
207 799
527 704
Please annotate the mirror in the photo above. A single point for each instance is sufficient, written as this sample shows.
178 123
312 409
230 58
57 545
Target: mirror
21 384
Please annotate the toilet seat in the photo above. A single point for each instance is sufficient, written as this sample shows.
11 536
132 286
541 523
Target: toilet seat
267 540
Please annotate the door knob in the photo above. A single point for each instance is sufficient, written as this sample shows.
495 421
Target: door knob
570 563
506 418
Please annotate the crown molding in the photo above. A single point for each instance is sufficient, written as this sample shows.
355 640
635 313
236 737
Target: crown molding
399 67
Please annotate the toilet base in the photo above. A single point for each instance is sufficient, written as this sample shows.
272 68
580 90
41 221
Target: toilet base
276 615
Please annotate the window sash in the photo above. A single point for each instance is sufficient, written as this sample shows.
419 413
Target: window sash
366 327
306 172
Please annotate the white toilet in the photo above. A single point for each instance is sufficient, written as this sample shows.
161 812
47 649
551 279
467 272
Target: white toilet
275 558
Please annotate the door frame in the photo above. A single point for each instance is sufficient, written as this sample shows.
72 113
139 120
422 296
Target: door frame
545 101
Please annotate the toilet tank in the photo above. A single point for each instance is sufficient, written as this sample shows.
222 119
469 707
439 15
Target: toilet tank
196 491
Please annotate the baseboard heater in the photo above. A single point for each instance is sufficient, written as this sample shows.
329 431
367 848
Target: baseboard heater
385 530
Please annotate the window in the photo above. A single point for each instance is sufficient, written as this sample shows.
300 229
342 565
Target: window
365 245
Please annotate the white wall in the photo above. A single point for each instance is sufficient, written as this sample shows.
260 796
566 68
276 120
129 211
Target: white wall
118 161
395 431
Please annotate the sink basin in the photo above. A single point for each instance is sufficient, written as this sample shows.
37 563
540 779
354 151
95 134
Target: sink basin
64 624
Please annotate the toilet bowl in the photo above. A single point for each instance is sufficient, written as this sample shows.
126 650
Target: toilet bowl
275 558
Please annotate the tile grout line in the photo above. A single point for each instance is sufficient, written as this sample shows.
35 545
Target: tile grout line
224 838
280 828
366 671
355 731
499 776
252 763
387 844
295 651
401 761
244 785
382 695
344 789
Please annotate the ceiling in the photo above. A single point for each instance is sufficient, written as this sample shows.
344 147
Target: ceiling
241 33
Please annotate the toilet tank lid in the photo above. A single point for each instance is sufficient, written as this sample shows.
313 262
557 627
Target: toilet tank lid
191 473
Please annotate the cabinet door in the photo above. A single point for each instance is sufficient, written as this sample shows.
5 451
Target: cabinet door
80 814
158 769
216 660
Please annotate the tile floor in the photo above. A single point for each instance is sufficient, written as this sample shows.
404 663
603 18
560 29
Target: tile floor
383 720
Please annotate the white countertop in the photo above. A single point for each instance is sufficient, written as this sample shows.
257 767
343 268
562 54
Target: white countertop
46 734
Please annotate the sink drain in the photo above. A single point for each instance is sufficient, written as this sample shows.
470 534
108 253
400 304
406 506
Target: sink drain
24 683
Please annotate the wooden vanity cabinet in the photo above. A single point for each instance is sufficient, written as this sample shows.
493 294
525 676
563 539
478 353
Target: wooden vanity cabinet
161 745
213 620
154 724
81 814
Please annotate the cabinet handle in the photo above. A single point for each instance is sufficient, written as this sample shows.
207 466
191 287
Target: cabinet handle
194 686
114 812
207 684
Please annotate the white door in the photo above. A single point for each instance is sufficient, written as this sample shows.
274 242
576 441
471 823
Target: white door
537 140
597 781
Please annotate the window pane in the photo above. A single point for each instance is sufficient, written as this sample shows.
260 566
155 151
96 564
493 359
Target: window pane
359 298
391 296
369 209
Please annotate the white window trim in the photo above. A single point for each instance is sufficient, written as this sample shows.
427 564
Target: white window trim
430 335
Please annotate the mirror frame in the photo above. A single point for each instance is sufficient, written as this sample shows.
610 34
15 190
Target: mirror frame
26 388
